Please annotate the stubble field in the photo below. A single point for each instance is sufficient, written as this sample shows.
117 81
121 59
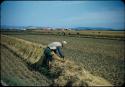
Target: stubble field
101 57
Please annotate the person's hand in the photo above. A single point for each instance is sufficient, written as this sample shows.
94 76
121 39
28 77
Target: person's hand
63 61
63 57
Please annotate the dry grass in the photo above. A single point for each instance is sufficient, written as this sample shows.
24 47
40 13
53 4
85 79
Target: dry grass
104 32
31 52
14 71
101 57
73 75
69 73
93 32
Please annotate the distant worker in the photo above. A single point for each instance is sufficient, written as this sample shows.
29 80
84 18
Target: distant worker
52 49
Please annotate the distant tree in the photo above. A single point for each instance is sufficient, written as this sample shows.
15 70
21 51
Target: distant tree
69 33
63 33
77 33
99 32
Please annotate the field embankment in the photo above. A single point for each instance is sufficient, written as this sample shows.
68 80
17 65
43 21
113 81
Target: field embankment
14 71
30 52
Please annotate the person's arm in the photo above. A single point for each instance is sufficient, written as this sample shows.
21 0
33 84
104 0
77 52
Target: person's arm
54 56
59 51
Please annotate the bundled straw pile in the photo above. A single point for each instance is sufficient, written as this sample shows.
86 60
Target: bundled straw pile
31 52
74 75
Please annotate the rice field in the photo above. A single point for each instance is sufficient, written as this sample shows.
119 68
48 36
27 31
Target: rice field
101 57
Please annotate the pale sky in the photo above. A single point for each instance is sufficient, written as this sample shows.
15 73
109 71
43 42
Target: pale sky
109 14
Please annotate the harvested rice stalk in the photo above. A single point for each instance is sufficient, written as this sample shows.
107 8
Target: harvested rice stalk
31 52
69 74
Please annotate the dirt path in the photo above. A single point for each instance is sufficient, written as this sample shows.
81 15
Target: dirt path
15 72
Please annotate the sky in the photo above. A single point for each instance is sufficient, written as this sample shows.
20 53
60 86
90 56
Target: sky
65 14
